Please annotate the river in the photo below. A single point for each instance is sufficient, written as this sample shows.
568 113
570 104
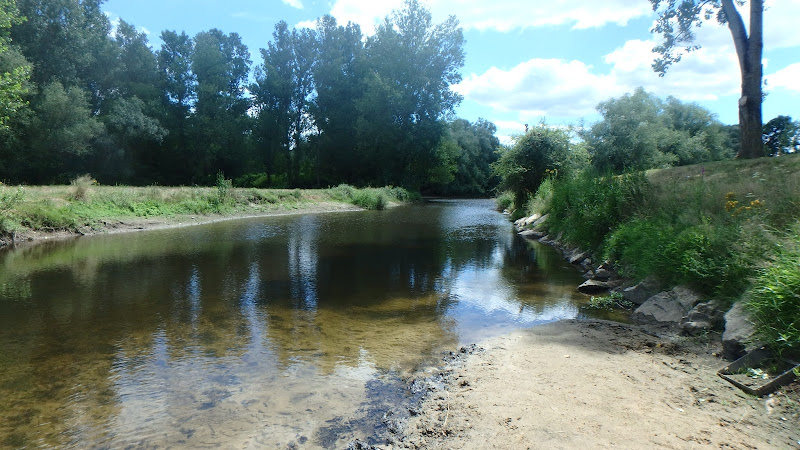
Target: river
275 332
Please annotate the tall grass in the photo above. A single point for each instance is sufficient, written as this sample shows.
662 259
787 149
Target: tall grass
710 226
774 300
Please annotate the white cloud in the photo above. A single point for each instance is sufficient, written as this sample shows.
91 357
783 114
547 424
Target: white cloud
502 16
293 3
540 87
786 78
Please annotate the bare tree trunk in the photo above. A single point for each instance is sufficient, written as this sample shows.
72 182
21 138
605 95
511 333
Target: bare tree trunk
749 51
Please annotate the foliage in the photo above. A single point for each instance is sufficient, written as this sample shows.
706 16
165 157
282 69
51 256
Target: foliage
327 106
639 131
676 22
587 207
774 301
540 152
610 302
505 201
781 135
81 185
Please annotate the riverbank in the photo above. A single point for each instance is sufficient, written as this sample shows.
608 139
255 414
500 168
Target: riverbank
38 213
597 384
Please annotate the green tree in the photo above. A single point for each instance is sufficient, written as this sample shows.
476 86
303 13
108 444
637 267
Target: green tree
478 150
339 81
221 64
781 135
640 131
676 21
407 97
178 95
540 152
68 41
14 69
59 138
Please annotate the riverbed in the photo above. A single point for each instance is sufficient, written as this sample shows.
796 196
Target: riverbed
297 330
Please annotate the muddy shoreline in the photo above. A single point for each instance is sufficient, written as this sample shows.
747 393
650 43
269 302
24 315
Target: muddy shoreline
594 384
135 224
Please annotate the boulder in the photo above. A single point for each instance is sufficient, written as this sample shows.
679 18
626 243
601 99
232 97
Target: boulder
739 335
538 221
531 234
577 257
639 293
670 306
530 220
594 287
704 317
603 274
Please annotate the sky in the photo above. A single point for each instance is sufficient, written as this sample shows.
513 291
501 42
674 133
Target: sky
528 61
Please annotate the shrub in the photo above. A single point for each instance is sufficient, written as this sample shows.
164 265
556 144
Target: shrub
505 201
774 300
586 208
638 247
80 187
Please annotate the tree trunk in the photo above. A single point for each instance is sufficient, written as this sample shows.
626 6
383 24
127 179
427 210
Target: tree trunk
749 51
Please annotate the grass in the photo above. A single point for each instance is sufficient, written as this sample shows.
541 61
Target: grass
84 204
727 228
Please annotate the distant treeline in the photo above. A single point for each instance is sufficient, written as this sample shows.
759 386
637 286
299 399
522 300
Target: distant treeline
318 107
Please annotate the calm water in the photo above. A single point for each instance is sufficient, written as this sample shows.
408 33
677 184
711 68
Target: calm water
269 332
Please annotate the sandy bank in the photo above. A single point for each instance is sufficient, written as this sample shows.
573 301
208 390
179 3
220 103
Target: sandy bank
595 384
133 224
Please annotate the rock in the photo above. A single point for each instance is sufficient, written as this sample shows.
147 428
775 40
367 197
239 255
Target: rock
588 275
577 256
603 274
670 306
538 221
739 335
530 220
594 287
639 293
702 318
531 234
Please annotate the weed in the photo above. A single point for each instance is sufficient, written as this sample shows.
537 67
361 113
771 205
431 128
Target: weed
505 201
80 187
615 300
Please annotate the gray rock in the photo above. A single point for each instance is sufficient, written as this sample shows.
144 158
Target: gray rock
531 234
739 335
704 317
639 293
603 274
670 306
594 287
530 220
539 221
577 257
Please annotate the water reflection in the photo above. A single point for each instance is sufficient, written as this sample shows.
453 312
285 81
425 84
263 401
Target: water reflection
255 332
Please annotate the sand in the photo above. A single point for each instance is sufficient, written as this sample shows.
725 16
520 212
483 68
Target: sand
597 384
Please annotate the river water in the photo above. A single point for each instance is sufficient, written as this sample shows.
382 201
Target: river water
265 333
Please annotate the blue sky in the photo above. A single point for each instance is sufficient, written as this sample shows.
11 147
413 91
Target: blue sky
528 60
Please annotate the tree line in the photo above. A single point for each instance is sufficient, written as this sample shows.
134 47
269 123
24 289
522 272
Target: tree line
317 107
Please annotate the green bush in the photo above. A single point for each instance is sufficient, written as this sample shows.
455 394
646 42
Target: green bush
505 201
638 247
587 208
774 300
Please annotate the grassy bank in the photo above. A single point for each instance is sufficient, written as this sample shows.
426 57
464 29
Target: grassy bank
730 229
85 206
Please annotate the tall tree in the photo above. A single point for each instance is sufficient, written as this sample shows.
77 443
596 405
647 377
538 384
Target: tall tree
676 21
408 97
781 135
14 69
339 80
179 93
221 64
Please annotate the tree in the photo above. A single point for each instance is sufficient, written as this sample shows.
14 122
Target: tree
781 135
478 150
178 95
407 98
676 20
14 69
522 167
221 64
640 131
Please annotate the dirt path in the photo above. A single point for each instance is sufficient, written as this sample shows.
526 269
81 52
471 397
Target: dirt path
597 384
